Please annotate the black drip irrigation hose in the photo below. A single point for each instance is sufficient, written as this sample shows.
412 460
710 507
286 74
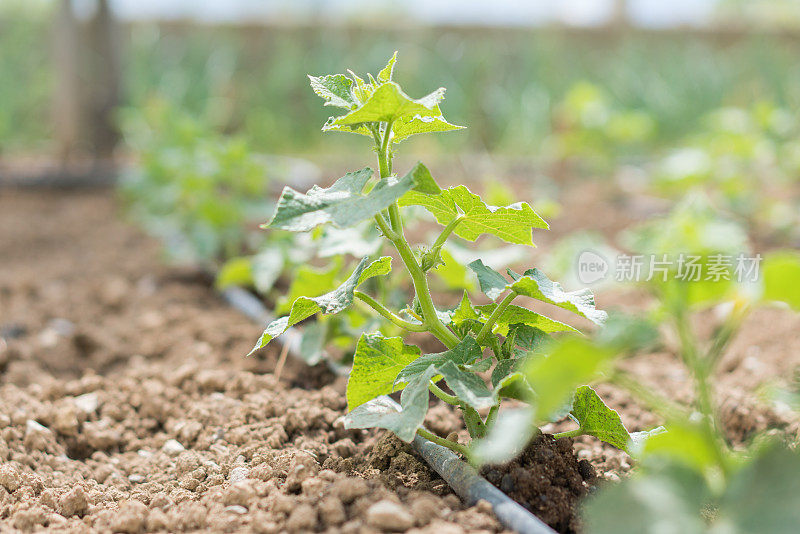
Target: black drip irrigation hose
471 487
462 477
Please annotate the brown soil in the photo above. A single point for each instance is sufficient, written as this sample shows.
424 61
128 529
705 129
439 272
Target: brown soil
547 479
126 403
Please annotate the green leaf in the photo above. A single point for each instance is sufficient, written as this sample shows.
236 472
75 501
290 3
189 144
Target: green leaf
466 352
380 267
572 361
463 312
781 273
515 386
405 127
468 387
376 363
308 281
513 223
536 285
343 203
235 272
403 420
647 505
312 344
598 420
686 443
528 337
506 438
266 269
385 75
452 272
304 307
518 315
492 283
388 103
505 368
335 89
423 182
764 496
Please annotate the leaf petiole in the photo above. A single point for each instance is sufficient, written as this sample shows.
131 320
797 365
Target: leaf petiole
569 434
388 315
495 315
452 445
446 397
446 232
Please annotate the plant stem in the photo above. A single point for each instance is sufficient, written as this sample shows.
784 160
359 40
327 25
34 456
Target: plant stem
449 399
388 315
385 229
395 234
446 232
495 315
452 445
701 370
569 434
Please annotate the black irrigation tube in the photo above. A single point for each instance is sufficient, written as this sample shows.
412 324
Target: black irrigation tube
462 477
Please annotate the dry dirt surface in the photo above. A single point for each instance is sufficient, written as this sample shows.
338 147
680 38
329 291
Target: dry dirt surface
127 405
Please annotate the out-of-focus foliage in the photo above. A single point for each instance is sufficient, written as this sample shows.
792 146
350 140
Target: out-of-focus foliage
624 92
26 77
690 479
745 159
589 128
194 189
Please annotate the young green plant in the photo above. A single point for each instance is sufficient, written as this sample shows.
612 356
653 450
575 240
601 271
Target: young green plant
704 484
378 109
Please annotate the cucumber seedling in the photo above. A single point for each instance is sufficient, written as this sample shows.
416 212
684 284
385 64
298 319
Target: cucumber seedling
378 109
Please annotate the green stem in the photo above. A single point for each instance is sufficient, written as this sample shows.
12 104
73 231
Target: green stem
449 399
446 233
495 315
452 445
395 235
491 417
701 370
569 434
387 314
385 229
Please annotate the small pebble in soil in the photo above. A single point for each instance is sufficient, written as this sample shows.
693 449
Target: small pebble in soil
238 474
87 403
389 516
9 478
172 447
73 502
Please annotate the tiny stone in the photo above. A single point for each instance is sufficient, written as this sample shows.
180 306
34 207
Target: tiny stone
73 502
238 474
390 516
349 489
241 493
173 447
236 509
136 479
9 478
87 403
130 518
302 519
36 435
